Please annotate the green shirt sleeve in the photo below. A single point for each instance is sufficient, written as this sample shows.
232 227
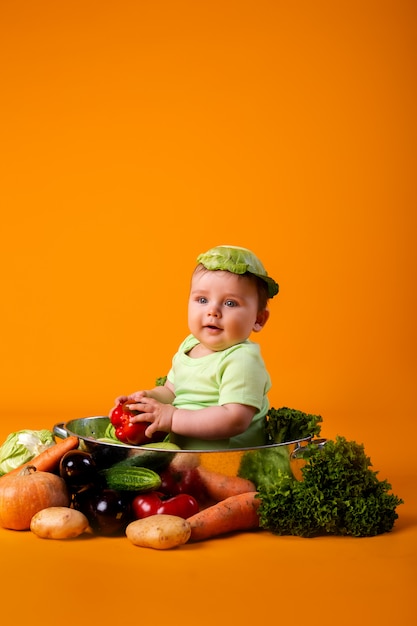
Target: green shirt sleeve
243 378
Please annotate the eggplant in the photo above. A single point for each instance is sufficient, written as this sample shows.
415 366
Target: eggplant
107 510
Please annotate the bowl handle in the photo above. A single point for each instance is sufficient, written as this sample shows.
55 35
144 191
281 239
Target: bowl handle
299 456
60 431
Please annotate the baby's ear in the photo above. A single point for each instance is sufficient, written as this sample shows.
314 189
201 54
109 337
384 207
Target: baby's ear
261 320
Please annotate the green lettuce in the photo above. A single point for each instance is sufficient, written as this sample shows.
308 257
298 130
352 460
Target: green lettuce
22 446
265 467
285 424
339 494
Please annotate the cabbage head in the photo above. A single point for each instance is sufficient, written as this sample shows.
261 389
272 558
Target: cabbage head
22 446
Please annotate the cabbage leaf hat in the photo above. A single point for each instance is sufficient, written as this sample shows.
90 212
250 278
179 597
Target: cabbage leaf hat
238 261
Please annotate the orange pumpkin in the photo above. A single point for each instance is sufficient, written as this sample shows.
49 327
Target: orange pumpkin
28 492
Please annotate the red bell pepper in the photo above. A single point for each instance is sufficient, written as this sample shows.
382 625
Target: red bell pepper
175 481
155 503
125 430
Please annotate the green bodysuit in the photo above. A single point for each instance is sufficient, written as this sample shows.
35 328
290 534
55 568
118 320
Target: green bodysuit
235 375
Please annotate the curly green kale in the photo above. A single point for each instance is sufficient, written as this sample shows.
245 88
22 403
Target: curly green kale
339 494
286 424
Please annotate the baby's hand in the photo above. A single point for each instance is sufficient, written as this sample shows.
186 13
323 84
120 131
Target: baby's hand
157 413
129 400
134 400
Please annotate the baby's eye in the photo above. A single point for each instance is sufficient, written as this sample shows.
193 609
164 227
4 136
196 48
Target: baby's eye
202 300
230 303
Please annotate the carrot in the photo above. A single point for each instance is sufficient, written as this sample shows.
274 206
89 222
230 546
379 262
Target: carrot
218 486
239 512
48 460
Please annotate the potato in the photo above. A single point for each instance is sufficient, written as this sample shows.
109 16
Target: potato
159 531
59 522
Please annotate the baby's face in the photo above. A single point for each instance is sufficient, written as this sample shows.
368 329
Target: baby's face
222 308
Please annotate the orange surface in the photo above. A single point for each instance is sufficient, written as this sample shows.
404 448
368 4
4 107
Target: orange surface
136 135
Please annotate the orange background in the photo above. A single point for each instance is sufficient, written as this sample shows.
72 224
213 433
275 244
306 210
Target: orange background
136 135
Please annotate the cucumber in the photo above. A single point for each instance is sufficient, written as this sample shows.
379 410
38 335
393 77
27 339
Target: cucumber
139 479
152 459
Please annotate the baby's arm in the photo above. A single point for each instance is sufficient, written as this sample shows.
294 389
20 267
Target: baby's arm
216 422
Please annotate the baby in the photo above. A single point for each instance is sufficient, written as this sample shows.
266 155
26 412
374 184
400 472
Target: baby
215 394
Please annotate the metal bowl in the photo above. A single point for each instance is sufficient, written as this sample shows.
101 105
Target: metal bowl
91 429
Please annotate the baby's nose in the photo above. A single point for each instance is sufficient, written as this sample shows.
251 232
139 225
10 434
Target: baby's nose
214 310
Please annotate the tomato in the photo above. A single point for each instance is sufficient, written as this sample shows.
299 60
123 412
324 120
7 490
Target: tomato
155 503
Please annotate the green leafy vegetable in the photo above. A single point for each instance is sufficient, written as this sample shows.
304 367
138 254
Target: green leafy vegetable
286 424
339 494
109 435
281 425
22 446
238 261
263 467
